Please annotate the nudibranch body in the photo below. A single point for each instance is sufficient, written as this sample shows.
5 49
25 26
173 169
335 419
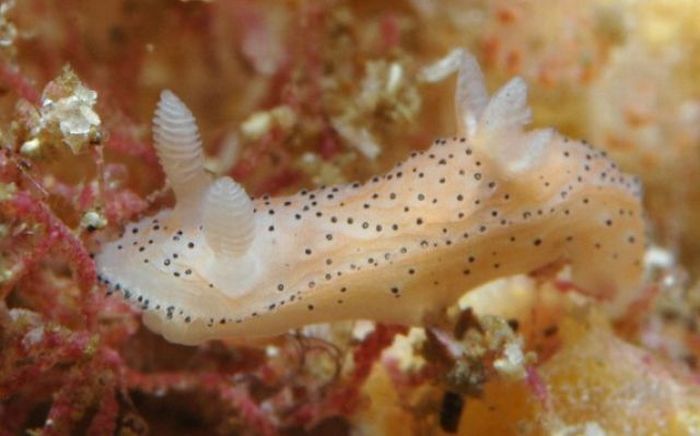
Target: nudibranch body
494 201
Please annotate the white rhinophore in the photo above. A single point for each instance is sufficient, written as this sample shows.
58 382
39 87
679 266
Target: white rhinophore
179 147
229 223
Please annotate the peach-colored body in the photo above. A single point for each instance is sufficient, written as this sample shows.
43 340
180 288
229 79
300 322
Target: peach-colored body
395 248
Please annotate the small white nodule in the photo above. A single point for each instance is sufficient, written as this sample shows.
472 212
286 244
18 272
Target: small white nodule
229 223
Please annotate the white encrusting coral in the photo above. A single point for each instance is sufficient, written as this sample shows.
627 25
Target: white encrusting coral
494 201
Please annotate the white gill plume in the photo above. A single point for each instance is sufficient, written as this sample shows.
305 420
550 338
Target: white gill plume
229 224
471 96
496 124
178 145
507 110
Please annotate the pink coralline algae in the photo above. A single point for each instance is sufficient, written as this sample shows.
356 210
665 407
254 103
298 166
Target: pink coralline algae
65 350
68 361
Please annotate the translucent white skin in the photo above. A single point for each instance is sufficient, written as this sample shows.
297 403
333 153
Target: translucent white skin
494 201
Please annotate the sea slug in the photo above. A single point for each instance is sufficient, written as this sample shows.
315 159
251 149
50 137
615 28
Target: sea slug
494 200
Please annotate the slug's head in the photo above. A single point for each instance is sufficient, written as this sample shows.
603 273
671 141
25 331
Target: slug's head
185 267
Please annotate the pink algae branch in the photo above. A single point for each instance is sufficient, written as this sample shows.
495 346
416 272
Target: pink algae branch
13 79
128 145
371 349
73 367
537 385
105 420
248 410
54 347
88 383
76 369
23 207
345 398
283 176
